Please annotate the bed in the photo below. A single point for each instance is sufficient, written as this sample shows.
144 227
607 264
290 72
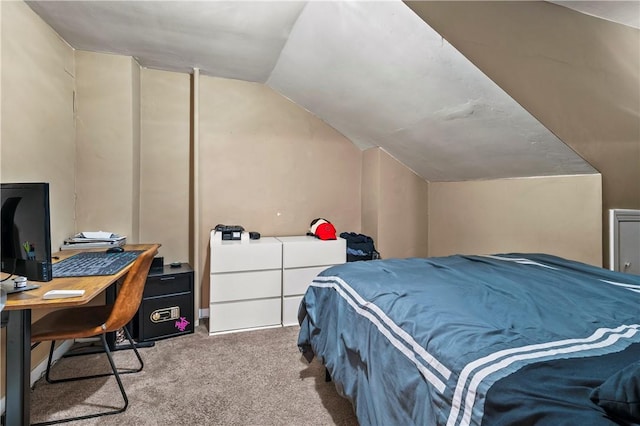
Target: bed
508 339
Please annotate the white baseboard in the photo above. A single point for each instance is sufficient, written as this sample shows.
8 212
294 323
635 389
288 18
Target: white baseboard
203 313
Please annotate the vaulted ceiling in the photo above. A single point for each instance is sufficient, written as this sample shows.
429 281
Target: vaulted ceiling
373 70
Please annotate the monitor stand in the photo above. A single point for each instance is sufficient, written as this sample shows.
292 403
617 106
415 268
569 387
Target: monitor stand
11 289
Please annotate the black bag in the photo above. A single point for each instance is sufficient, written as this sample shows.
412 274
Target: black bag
359 247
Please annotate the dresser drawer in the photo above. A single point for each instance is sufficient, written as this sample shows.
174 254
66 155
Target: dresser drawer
252 255
290 306
309 251
243 315
295 281
245 285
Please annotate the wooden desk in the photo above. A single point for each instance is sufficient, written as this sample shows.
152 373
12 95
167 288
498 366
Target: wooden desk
19 306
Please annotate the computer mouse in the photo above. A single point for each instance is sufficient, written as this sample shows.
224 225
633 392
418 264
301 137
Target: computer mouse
115 250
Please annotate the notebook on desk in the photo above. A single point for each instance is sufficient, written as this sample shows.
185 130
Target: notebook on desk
86 240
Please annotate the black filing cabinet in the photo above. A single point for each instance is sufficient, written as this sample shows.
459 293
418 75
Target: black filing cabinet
167 304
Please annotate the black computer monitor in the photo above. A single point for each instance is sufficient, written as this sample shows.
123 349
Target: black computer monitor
25 238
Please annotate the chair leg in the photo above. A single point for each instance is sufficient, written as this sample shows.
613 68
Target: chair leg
135 350
49 360
94 376
115 373
103 413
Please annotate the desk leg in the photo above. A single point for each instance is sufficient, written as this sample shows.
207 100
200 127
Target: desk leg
110 297
18 374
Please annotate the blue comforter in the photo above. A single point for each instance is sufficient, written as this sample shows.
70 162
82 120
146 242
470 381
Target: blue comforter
507 339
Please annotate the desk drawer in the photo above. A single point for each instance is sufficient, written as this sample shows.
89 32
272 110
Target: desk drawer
168 284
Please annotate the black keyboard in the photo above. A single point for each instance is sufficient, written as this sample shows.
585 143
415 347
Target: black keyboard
87 264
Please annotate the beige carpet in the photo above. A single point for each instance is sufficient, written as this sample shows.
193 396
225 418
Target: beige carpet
248 378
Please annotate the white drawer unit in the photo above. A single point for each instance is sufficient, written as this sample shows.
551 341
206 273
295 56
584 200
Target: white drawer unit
250 255
303 258
244 315
234 286
245 284
296 280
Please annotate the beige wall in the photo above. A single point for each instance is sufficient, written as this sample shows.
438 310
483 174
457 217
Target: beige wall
555 215
164 169
394 206
575 73
38 141
133 148
108 142
370 193
38 136
269 165
134 235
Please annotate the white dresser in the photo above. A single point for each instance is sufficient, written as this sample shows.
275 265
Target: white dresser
304 257
245 284
260 283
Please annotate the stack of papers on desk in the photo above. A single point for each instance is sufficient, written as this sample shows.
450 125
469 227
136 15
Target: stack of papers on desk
94 239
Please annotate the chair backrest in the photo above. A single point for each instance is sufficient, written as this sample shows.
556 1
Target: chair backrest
130 293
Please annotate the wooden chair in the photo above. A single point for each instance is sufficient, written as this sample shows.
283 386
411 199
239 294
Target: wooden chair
92 321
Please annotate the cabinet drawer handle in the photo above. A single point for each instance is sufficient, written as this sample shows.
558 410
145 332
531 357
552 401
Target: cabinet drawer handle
167 278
